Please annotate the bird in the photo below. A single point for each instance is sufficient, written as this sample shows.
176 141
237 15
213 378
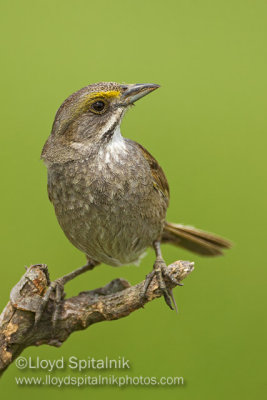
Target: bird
109 193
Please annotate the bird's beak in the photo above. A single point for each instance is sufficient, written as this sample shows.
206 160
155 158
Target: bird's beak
133 92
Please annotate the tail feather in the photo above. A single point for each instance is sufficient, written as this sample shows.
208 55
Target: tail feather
196 240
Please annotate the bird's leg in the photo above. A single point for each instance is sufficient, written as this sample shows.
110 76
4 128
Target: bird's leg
160 271
57 287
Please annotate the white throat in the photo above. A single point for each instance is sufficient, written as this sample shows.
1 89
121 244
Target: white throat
115 148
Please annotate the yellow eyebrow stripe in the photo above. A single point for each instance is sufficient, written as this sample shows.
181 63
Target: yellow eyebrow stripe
87 100
110 93
102 94
84 103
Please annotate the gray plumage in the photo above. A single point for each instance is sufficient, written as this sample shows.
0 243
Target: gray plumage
110 195
109 210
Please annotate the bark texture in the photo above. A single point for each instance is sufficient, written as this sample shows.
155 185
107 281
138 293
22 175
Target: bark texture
115 300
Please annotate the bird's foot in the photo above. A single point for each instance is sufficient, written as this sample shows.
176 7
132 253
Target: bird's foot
160 271
55 292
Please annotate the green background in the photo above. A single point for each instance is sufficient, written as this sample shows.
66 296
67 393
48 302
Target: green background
206 126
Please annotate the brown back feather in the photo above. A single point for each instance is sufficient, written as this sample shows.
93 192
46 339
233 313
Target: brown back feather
159 179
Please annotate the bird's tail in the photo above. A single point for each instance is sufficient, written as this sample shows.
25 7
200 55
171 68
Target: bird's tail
190 238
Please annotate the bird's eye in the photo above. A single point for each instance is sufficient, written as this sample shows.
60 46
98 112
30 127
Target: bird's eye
98 106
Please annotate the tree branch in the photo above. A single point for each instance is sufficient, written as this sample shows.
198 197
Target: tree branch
115 300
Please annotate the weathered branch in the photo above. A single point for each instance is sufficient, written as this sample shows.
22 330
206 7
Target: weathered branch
115 300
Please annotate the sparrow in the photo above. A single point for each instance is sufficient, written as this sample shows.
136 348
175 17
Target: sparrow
109 193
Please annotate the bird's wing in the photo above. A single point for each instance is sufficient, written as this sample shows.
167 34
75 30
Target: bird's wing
159 179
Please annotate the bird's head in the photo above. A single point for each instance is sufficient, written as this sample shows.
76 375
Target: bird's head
91 115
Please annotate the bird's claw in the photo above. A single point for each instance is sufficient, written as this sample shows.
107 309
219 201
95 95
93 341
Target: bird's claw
160 271
55 292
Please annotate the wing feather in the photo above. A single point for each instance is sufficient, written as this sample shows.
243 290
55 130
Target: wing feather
159 179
